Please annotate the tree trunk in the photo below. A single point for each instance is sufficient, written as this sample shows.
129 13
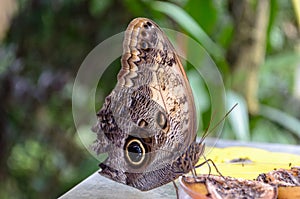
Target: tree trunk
247 50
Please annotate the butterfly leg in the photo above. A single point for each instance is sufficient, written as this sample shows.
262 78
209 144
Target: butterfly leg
193 170
176 189
212 162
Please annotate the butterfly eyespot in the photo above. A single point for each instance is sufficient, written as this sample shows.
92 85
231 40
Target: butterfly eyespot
135 152
142 123
149 24
162 120
144 45
144 33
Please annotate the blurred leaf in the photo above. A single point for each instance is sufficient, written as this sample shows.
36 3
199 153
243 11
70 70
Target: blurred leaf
276 38
281 118
98 7
224 37
190 25
287 59
265 130
276 77
204 12
202 101
23 157
137 7
238 118
7 58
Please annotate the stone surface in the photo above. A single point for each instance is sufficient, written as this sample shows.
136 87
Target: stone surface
99 187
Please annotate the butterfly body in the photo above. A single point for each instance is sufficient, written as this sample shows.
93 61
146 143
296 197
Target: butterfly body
147 125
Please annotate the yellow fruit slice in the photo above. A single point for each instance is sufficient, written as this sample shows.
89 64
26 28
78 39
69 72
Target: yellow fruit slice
257 161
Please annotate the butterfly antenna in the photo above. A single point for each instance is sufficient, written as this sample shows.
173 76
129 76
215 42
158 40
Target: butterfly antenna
206 132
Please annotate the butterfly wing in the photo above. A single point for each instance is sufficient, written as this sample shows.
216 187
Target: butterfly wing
148 122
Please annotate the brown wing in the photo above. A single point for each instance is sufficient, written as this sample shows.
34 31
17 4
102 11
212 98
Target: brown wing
148 123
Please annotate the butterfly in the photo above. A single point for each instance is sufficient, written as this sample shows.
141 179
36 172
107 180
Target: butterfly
147 124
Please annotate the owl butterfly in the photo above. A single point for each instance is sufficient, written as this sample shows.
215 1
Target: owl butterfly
147 124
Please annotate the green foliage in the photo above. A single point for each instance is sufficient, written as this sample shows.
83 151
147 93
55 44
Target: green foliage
40 152
190 25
